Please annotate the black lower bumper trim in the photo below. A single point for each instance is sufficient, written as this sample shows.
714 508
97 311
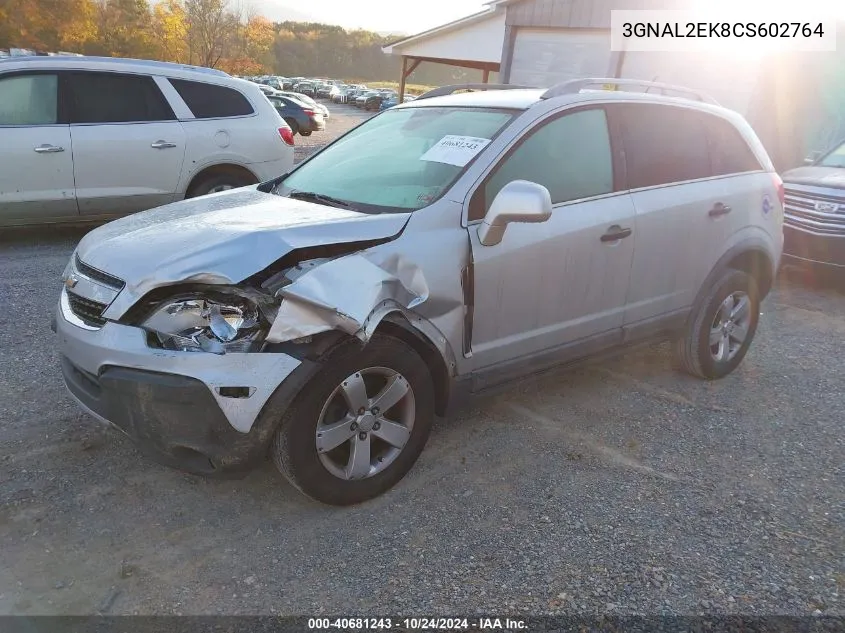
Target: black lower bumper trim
821 249
173 419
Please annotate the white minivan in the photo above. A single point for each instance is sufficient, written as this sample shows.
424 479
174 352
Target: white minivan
88 139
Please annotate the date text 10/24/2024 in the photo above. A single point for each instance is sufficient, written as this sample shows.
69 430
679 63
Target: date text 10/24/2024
416 624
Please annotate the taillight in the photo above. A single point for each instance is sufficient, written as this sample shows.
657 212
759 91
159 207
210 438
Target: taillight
287 135
309 112
778 182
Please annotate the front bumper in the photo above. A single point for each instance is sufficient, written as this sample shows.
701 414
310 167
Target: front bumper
814 249
203 413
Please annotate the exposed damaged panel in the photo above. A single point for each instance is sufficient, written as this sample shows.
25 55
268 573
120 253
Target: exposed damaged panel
343 294
221 239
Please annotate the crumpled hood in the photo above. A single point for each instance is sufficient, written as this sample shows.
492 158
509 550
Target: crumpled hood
219 239
832 177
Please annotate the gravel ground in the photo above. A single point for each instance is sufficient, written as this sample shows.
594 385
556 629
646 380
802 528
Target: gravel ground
619 487
343 118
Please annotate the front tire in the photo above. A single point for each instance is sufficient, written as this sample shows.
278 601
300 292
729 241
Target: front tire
721 327
359 425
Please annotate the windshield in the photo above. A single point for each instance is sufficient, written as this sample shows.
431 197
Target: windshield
398 161
835 159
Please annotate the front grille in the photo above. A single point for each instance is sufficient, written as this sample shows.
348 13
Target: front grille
90 312
99 275
800 211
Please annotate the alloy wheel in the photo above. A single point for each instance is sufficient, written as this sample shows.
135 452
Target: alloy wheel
365 423
730 327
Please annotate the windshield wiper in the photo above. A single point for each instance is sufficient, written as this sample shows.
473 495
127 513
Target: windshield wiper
320 199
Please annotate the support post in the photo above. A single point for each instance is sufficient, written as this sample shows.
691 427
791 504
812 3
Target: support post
486 78
406 72
402 79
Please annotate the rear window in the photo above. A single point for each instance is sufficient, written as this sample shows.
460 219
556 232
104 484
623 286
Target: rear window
663 145
729 152
208 101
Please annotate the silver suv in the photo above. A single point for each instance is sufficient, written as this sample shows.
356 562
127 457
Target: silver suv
438 250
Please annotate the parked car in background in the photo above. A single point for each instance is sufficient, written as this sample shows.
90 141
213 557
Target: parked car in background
301 118
323 90
351 93
388 103
373 101
361 99
814 218
305 88
326 318
309 102
124 135
268 90
340 95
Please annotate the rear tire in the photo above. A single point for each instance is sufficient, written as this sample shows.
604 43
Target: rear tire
720 328
217 182
304 133
325 469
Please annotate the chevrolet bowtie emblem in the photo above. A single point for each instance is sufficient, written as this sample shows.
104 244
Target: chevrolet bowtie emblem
71 281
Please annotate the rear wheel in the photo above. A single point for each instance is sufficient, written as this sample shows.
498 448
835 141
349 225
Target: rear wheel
217 182
359 426
721 327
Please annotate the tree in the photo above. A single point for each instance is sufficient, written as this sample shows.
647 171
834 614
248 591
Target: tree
212 31
170 24
124 27
47 24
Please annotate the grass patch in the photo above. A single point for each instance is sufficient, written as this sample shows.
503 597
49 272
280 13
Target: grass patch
413 89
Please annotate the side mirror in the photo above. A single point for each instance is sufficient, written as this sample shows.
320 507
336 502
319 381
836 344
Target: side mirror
518 201
812 158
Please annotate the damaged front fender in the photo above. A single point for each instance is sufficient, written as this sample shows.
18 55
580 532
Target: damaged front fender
350 294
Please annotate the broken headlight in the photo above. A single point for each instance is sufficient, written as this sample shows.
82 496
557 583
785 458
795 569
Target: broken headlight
207 325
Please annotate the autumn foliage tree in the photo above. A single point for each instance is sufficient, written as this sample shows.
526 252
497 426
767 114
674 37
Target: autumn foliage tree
47 24
213 33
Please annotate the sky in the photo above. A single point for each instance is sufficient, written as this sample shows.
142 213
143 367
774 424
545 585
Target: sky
395 16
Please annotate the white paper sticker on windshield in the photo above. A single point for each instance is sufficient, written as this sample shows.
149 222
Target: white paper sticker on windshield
455 150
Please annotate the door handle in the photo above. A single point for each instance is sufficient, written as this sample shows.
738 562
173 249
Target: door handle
48 149
162 145
719 210
615 233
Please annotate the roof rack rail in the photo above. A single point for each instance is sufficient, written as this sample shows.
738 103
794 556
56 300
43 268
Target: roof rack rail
574 86
447 90
117 60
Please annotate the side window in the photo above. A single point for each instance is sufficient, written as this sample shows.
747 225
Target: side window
729 151
570 156
208 101
663 144
29 100
115 98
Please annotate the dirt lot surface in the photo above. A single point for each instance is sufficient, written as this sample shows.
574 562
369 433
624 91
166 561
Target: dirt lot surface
618 487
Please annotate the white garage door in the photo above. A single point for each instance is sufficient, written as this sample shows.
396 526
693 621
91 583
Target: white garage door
544 57
731 80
